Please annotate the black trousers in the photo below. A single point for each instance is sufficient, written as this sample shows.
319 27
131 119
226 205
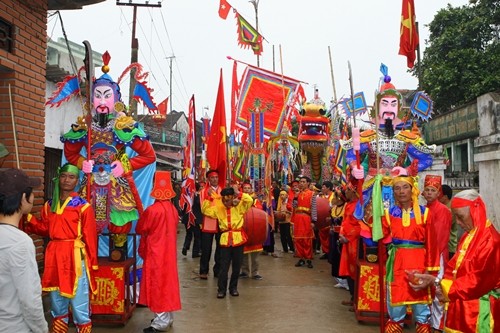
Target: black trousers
206 252
350 283
229 256
193 231
286 237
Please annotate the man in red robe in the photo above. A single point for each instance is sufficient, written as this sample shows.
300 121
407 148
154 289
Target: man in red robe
324 233
71 255
157 227
349 237
304 217
470 287
441 218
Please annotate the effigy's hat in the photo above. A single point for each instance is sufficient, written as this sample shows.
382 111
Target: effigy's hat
433 181
162 187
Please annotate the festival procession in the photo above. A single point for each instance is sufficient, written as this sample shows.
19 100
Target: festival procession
291 206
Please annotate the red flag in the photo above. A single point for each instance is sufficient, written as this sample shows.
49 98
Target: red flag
188 173
216 143
408 33
162 107
224 8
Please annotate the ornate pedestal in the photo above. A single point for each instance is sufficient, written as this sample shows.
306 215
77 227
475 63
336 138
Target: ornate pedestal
113 302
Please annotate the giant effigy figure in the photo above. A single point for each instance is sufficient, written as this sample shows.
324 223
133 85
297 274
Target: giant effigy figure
118 147
402 151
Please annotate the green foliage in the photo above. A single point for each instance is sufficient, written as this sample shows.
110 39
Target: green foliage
462 58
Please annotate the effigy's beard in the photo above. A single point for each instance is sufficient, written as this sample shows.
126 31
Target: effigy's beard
389 129
102 119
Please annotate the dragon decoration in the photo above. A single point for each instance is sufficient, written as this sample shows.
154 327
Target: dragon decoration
313 139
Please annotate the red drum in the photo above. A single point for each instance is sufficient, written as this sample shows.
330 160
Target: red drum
323 210
256 228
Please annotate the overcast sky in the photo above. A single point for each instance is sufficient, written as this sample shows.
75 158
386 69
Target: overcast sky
364 32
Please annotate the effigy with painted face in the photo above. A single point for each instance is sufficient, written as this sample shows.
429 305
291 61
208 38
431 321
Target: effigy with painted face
118 147
401 151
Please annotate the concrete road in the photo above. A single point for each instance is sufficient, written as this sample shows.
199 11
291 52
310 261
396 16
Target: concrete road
288 299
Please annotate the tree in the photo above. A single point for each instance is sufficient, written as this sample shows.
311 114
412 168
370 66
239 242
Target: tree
462 58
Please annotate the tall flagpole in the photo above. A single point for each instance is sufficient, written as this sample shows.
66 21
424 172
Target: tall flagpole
256 7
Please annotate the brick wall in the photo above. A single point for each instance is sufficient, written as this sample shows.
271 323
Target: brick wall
24 70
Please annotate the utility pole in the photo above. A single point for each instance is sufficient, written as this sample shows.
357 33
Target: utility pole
170 96
134 52
256 7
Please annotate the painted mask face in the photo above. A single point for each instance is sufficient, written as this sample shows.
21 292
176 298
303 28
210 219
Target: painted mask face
388 108
104 99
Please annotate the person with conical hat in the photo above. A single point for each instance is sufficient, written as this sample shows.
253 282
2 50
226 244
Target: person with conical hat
412 249
71 254
157 227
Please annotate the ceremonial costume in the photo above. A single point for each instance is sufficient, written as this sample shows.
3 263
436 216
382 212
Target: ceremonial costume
441 218
304 214
158 230
232 238
471 283
350 230
412 249
70 256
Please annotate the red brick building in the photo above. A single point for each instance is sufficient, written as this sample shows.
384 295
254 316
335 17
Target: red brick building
23 45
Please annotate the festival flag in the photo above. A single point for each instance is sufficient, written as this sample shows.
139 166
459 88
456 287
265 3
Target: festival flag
248 36
270 91
359 105
224 8
408 42
162 107
216 143
188 173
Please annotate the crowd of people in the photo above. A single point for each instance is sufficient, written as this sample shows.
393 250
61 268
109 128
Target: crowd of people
439 259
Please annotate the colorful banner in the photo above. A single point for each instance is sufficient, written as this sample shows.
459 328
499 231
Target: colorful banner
271 93
188 173
248 36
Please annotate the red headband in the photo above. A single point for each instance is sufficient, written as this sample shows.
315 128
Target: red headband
211 173
460 203
477 209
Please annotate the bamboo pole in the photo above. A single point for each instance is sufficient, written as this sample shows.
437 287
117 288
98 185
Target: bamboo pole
14 128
